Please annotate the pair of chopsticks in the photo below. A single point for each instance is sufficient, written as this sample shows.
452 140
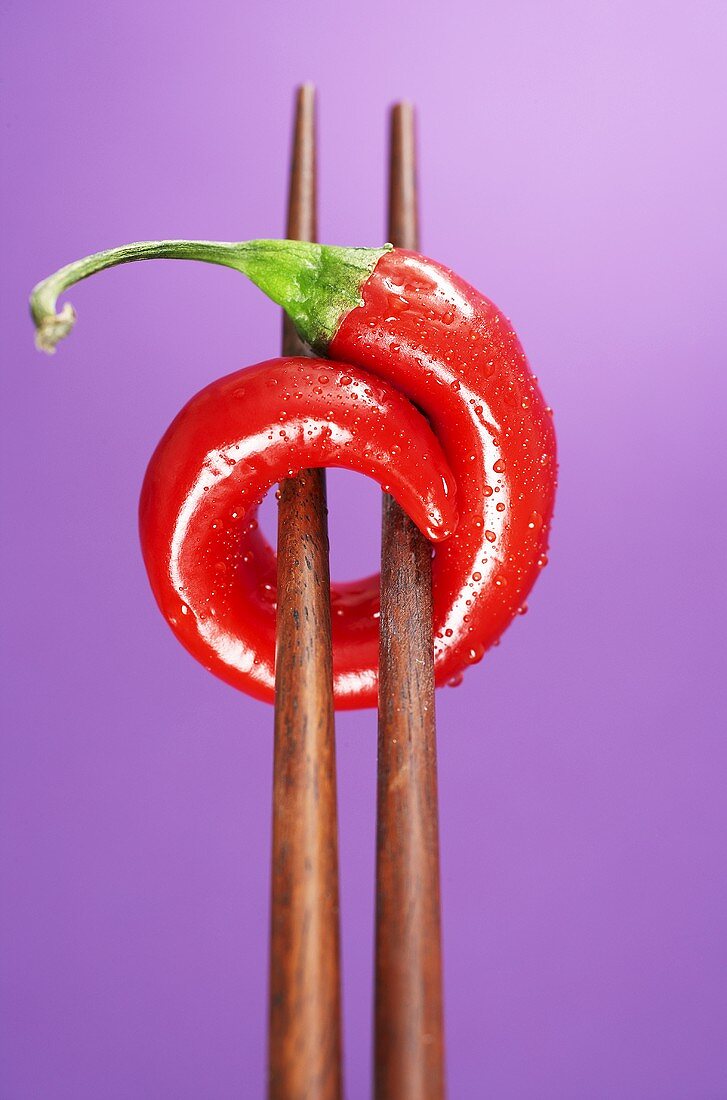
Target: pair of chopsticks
305 1048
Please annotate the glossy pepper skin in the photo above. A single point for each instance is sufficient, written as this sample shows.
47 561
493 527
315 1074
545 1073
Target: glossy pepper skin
212 572
432 341
453 353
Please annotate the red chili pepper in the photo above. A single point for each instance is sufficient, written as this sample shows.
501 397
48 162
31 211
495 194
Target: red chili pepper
425 335
212 571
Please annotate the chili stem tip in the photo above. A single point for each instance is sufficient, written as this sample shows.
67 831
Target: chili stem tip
51 328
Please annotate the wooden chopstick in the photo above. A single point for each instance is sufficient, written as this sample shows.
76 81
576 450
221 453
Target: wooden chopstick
408 1029
304 1043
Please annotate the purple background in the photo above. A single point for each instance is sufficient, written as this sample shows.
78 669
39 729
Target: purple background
573 167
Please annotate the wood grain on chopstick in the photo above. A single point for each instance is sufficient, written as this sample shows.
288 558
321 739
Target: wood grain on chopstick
304 1054
408 1030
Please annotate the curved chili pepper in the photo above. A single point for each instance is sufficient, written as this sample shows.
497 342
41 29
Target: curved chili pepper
415 325
211 570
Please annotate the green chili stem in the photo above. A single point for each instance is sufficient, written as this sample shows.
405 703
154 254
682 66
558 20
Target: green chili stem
315 284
